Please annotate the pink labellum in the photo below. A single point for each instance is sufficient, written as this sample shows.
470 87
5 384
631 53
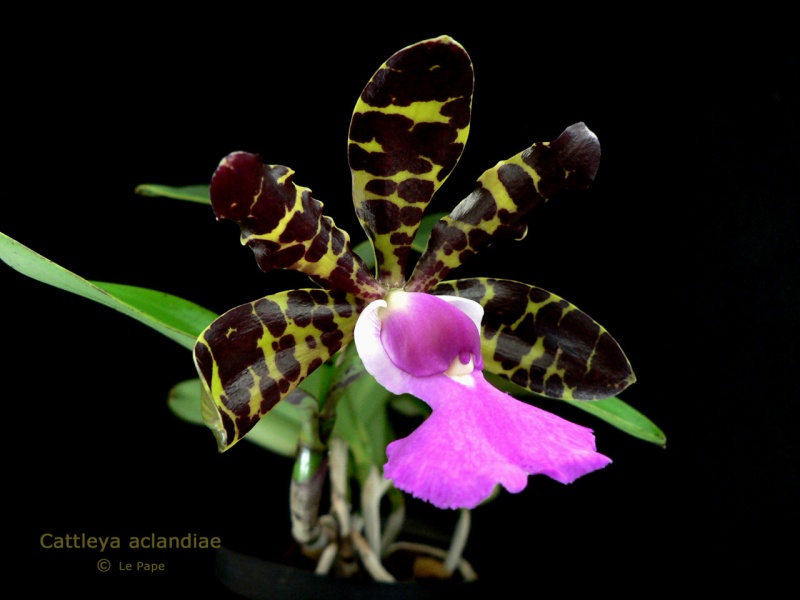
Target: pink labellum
477 436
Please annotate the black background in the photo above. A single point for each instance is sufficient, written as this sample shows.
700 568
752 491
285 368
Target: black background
685 248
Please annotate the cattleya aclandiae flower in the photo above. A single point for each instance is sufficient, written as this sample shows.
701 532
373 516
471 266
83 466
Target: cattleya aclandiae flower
422 336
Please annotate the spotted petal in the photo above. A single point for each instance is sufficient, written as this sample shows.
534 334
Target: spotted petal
408 131
257 353
542 342
504 196
284 225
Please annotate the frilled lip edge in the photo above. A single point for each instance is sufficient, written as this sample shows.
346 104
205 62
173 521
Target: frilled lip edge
477 436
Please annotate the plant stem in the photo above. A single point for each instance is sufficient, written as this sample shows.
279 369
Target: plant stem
327 559
371 560
311 464
341 381
395 520
305 491
339 455
372 492
459 541
466 570
340 505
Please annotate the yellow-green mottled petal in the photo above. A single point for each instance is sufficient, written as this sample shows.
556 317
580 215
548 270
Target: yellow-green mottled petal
255 354
284 225
503 199
542 342
408 131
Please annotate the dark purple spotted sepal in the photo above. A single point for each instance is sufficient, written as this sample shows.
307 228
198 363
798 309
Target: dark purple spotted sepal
408 131
504 196
284 225
257 353
542 342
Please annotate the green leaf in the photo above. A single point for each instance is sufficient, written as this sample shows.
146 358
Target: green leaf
410 406
169 310
178 319
318 382
362 418
184 401
624 417
424 232
367 253
278 431
190 193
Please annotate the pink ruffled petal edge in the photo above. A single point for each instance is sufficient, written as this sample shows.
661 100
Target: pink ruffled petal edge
477 436
480 437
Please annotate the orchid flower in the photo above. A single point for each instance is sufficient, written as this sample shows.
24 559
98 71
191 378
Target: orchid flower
422 335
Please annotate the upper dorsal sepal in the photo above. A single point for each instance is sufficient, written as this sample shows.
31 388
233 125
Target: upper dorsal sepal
407 133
